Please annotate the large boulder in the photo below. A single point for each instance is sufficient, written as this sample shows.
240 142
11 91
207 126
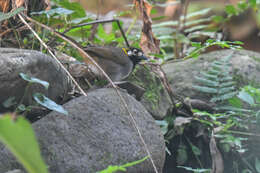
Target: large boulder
34 64
244 69
98 132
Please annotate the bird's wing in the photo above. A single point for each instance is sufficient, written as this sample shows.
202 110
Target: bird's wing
109 53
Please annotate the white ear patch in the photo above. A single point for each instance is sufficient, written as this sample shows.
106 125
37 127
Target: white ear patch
129 53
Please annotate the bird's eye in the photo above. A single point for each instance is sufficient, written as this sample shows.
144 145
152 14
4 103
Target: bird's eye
130 53
135 51
140 54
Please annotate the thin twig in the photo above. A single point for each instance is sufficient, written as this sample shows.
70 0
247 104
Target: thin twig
102 21
86 57
36 35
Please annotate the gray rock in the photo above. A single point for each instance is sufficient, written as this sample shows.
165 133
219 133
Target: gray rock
15 171
181 75
97 133
35 64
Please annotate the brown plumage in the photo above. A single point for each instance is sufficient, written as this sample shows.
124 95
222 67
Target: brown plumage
118 63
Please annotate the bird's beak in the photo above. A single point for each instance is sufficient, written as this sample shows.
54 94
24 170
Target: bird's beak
143 58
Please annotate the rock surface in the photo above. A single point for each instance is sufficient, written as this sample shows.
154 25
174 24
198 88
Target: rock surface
155 99
181 75
34 64
98 132
15 171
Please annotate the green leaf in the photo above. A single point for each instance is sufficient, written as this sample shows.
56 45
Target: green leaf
154 11
218 19
257 165
236 102
182 155
78 10
207 82
242 5
230 10
252 3
19 137
21 107
196 151
163 126
205 89
111 169
246 97
4 16
108 38
59 11
135 162
246 171
48 103
34 80
197 170
9 102
196 44
198 13
167 23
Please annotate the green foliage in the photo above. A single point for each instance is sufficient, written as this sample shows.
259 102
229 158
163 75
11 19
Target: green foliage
217 81
257 165
182 31
244 111
32 80
19 137
38 97
48 103
112 169
195 25
182 155
233 10
78 10
4 16
198 47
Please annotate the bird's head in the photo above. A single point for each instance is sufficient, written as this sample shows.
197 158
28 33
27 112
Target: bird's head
136 55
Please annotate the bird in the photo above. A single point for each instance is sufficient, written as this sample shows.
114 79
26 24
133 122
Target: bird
117 62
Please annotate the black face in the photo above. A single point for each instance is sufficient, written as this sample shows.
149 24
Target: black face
136 55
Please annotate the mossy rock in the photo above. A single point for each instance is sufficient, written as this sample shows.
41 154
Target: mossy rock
244 69
155 99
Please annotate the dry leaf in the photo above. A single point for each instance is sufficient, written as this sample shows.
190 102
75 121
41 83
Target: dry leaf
19 3
217 161
48 3
149 43
4 5
171 9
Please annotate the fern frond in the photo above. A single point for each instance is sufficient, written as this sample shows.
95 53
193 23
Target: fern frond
217 80
223 97
213 71
205 89
226 90
226 78
207 82
209 76
227 84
